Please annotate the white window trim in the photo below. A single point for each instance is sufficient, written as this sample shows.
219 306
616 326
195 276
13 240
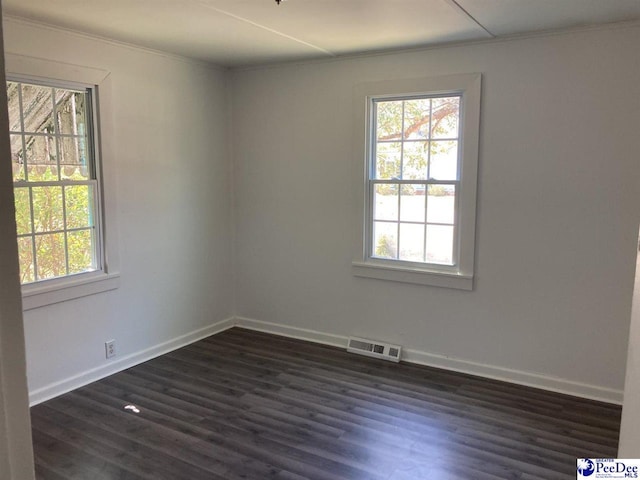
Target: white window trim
48 292
461 276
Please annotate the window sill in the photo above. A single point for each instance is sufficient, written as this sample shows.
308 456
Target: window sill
412 275
61 290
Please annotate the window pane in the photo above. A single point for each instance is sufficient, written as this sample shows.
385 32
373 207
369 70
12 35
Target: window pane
17 157
70 108
417 118
440 244
444 160
50 256
446 112
385 202
441 204
80 247
72 161
412 203
415 160
389 120
41 158
83 150
13 100
388 160
23 210
53 145
385 240
25 255
79 205
411 242
37 109
47 209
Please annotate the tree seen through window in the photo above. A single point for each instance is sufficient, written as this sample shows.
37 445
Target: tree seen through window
54 180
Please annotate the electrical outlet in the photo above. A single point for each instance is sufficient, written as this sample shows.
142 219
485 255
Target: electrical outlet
110 348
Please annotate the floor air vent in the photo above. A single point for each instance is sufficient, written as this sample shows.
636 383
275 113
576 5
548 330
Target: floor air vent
370 348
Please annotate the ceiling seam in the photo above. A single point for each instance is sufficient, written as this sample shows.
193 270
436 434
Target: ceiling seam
455 4
271 30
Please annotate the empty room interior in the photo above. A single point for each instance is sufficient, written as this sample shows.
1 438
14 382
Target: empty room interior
319 239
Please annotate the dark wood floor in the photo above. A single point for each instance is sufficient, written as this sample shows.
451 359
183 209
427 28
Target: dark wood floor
247 405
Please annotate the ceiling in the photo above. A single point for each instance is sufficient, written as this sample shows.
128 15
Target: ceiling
235 33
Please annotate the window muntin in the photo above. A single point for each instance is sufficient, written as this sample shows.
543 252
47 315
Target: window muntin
55 180
414 179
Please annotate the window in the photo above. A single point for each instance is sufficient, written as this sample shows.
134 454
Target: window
420 166
55 180
413 178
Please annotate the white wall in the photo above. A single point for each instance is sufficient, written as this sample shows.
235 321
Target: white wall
629 446
16 452
557 209
167 189
556 222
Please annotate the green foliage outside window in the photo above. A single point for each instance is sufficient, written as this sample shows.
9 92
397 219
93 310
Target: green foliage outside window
386 247
413 178
54 185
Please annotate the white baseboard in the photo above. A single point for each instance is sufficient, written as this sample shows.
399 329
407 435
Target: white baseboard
58 388
535 380
292 332
519 377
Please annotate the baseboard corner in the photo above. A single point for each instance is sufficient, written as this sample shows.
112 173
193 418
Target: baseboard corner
109 368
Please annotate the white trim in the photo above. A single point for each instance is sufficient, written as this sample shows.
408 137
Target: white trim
292 332
624 24
76 286
399 273
41 68
514 37
518 377
469 86
84 378
111 41
48 292
529 379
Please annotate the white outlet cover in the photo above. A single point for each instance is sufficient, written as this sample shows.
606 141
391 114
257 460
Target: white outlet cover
110 348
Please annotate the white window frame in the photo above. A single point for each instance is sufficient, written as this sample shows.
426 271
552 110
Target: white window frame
461 274
106 277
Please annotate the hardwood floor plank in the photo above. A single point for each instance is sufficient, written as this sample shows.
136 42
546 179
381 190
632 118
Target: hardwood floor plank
105 445
162 439
76 463
610 432
230 435
43 472
250 405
